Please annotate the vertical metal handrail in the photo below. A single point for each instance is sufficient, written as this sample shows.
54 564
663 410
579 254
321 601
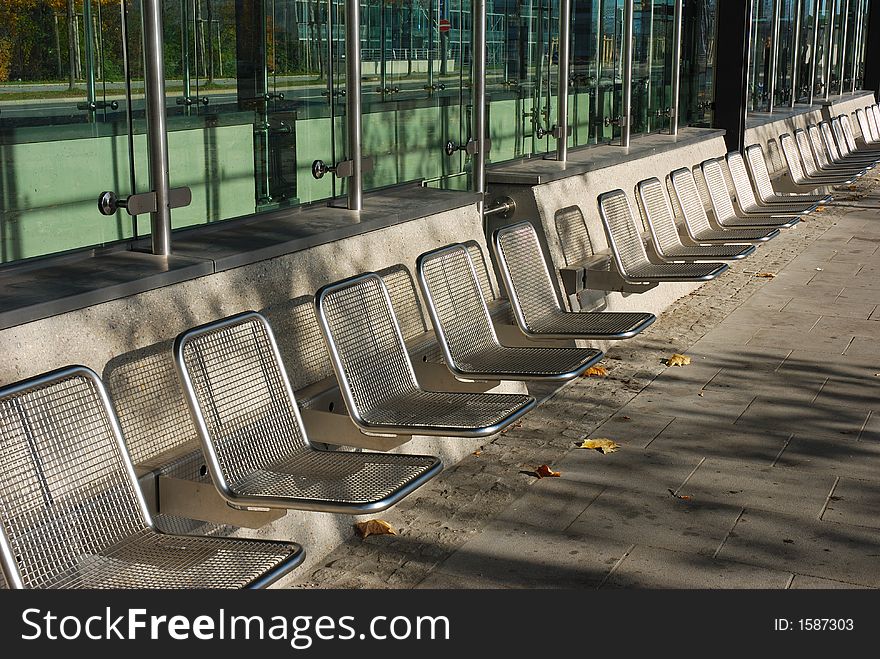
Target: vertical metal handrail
844 17
815 52
856 46
562 86
626 118
795 52
774 55
676 65
479 91
184 52
157 131
353 103
829 28
88 36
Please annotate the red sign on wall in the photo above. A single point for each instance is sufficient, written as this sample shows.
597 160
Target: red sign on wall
443 24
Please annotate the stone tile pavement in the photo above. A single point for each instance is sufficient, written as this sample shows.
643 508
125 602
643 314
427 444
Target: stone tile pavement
756 466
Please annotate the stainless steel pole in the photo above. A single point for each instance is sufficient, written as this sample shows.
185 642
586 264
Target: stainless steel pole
157 133
626 115
829 28
770 85
562 86
479 90
353 103
88 35
842 50
676 66
795 56
814 55
856 44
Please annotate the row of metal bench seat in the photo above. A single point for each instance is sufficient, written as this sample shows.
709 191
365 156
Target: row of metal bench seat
71 510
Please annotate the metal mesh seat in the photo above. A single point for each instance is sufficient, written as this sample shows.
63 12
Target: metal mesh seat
376 375
822 133
793 158
467 336
629 252
529 285
72 514
664 233
869 134
825 159
253 437
746 195
811 166
764 186
845 128
696 222
722 205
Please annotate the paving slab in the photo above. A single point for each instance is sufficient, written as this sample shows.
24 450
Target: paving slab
804 582
839 457
855 502
657 518
652 567
806 419
791 543
789 491
687 436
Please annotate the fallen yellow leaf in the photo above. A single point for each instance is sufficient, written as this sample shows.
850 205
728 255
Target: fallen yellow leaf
678 360
374 527
602 445
819 209
597 371
767 275
477 452
545 472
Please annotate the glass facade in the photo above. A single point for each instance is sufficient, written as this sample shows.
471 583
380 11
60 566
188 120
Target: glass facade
256 92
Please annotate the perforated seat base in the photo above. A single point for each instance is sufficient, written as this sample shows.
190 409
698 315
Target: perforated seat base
730 252
735 235
781 208
336 481
676 272
782 198
450 414
764 221
590 325
149 559
506 363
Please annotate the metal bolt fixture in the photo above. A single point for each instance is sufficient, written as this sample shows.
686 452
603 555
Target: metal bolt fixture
94 106
319 168
191 100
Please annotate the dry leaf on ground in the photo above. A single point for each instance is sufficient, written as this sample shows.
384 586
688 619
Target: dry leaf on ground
545 472
819 209
683 497
477 452
597 371
678 360
374 527
601 444
766 275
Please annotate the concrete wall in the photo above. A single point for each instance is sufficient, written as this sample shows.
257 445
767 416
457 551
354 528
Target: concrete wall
766 133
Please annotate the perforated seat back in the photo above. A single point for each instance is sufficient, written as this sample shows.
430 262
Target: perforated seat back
741 181
717 189
67 488
456 302
624 235
526 274
792 157
848 135
240 396
806 151
830 142
760 173
659 213
688 197
366 343
874 111
818 147
865 127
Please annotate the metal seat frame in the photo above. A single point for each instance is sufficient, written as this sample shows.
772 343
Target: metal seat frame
745 193
625 239
376 375
825 157
253 437
467 336
536 307
72 514
696 221
658 213
835 153
844 126
811 165
722 205
764 186
796 171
